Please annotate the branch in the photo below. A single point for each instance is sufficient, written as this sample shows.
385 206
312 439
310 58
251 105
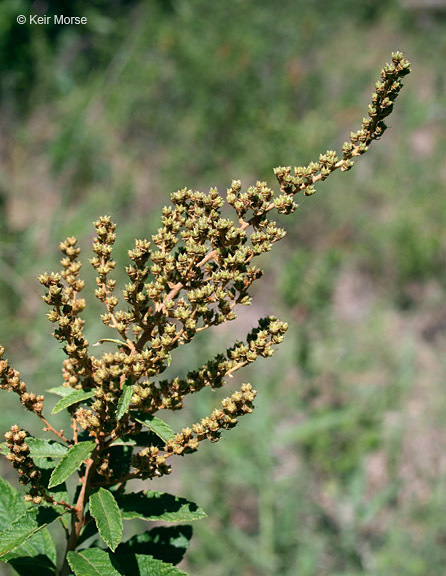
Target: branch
305 178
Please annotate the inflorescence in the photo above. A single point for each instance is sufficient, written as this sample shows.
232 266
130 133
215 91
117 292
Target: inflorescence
191 276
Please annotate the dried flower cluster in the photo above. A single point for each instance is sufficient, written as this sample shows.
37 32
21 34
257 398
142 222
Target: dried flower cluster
221 419
10 380
20 458
191 276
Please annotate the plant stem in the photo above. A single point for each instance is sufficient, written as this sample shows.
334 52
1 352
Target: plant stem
78 520
51 428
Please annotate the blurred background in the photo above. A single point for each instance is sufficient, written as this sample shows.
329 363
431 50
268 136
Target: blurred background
341 469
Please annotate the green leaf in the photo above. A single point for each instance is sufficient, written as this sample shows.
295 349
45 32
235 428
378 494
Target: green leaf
35 557
97 562
142 565
124 400
45 448
21 529
161 429
105 511
41 451
12 504
71 462
45 464
92 562
153 505
61 391
39 548
166 543
72 398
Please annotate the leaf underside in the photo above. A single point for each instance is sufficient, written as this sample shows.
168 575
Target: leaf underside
60 391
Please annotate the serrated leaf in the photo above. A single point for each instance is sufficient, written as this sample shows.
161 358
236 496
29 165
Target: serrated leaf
12 504
92 562
97 562
60 391
166 543
143 565
158 426
35 557
151 505
27 560
124 400
71 462
21 529
4 449
45 448
72 398
105 511
39 547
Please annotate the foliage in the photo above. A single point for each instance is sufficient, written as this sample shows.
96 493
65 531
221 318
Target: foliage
197 272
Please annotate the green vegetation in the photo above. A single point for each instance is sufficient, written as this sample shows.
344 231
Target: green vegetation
156 96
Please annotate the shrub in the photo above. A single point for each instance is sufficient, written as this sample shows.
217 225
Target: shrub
194 273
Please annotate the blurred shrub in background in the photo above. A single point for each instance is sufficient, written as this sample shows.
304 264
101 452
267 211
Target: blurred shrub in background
342 471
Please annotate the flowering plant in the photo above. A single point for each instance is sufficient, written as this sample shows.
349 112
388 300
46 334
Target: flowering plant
193 274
